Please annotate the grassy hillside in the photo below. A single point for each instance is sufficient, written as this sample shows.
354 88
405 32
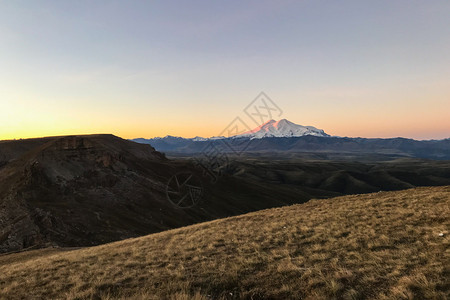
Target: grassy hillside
384 245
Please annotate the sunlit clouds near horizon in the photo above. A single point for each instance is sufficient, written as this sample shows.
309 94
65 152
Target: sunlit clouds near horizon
146 69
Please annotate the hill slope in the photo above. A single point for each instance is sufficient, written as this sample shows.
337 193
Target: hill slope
378 246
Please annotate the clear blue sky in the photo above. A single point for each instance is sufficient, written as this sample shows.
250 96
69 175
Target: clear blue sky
151 68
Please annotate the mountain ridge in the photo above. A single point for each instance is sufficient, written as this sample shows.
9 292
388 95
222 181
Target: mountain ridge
283 137
395 147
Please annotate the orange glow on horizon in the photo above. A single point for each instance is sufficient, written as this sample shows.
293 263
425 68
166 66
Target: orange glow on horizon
343 130
408 119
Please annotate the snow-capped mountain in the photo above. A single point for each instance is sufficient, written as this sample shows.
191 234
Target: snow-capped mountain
272 128
281 128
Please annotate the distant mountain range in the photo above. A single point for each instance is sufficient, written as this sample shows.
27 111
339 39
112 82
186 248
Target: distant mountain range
284 136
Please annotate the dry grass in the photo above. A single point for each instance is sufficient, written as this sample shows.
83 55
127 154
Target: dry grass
378 246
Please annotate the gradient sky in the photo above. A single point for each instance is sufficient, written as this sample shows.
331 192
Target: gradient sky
186 68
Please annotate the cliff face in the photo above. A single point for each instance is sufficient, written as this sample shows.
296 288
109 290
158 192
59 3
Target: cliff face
79 190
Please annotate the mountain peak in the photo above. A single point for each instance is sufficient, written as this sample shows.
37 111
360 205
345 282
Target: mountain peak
281 128
271 128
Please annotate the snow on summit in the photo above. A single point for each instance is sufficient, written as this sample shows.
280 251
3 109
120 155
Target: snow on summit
272 128
281 128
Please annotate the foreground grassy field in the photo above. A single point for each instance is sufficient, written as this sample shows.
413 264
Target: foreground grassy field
388 245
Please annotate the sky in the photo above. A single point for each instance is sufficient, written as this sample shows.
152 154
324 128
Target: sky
188 68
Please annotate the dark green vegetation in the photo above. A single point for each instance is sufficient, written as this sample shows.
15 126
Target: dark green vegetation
389 245
88 190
